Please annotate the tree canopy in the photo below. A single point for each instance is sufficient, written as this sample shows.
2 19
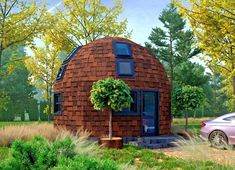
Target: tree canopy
79 22
188 98
20 22
110 94
44 66
172 45
213 23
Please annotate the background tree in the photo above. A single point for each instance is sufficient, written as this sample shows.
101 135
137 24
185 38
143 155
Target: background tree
213 23
193 74
110 94
4 100
20 21
217 100
172 45
187 99
79 22
17 94
44 66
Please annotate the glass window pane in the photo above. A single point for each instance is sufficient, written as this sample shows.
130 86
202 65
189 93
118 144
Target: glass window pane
61 72
125 68
122 49
133 107
149 103
232 118
57 103
72 54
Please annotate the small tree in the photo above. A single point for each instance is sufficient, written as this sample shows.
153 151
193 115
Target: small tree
110 94
187 99
43 67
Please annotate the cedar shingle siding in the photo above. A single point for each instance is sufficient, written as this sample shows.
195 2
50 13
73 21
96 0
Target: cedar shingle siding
96 61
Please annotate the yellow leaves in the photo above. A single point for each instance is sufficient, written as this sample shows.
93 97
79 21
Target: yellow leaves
213 23
43 66
83 21
20 26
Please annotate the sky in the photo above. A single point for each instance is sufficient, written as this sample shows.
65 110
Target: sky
142 15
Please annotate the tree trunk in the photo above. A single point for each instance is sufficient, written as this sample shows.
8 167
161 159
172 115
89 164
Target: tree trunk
186 121
50 102
0 58
48 114
171 74
110 125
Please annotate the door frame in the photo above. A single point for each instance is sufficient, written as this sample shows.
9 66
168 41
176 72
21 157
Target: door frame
157 113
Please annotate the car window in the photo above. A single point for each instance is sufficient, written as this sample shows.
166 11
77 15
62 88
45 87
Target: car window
231 118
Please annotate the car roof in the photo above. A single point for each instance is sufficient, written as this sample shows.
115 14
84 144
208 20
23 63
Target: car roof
224 116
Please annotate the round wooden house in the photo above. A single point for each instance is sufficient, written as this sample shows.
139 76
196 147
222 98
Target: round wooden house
119 58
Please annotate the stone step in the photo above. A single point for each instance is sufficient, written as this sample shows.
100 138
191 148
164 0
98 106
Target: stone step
157 139
155 142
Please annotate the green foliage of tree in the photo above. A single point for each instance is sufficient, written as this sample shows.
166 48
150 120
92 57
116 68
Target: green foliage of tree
171 44
187 99
20 22
110 94
79 22
192 74
44 66
216 101
213 23
17 95
4 100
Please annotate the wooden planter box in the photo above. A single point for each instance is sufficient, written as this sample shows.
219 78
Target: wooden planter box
115 142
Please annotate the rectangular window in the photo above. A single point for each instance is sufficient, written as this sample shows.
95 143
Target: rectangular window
134 108
122 50
125 68
57 103
61 72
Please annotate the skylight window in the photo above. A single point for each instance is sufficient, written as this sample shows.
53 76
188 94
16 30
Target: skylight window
125 68
61 72
68 58
122 50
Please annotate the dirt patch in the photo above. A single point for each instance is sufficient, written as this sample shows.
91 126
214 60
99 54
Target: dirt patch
202 152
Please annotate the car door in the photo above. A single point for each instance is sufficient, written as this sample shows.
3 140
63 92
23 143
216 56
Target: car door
230 129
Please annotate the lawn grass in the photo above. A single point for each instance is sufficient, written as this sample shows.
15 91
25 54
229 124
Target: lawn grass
149 159
4 124
194 124
4 153
144 159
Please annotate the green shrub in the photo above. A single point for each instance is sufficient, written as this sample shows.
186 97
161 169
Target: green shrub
38 154
86 163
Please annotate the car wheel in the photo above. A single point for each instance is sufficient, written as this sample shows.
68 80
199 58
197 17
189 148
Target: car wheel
218 139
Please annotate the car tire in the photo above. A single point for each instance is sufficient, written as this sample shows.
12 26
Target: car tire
218 139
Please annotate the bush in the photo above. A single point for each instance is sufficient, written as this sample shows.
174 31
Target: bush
86 163
38 154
